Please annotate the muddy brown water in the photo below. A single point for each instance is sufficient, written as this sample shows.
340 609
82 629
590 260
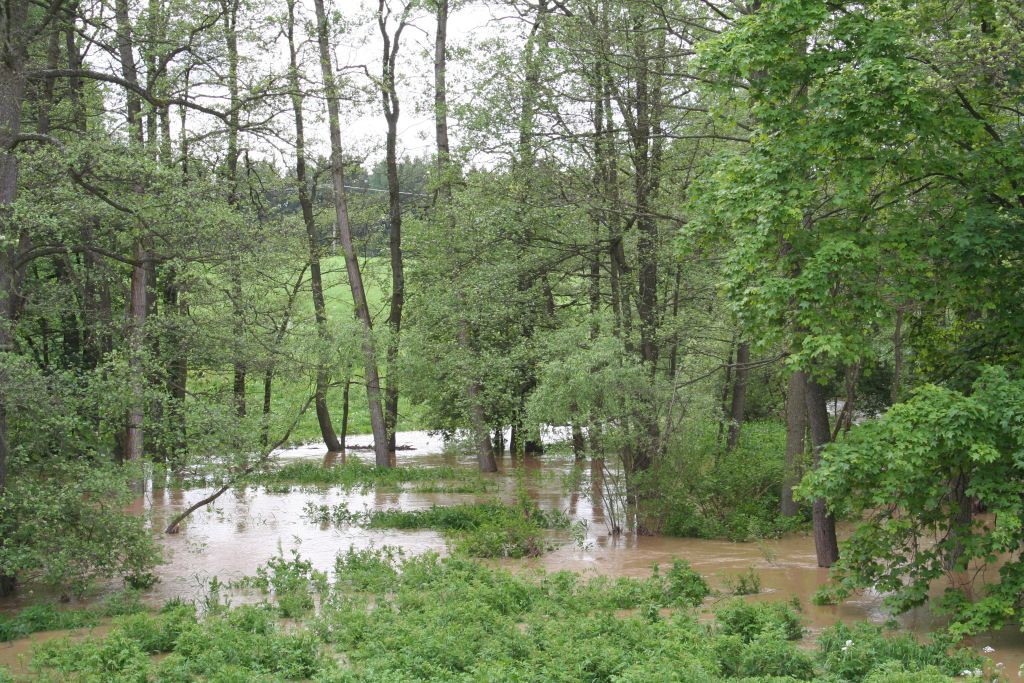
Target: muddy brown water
244 528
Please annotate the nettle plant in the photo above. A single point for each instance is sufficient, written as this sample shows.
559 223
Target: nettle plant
916 477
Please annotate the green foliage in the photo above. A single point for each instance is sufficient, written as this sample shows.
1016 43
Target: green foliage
911 474
48 617
424 618
744 583
753 620
156 633
116 658
357 475
773 656
865 652
67 526
293 583
700 491
247 638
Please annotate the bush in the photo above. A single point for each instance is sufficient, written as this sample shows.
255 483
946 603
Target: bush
428 618
857 653
67 525
772 656
744 583
683 585
117 658
699 491
752 620
157 633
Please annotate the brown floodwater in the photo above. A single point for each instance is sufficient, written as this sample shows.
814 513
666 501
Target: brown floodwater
244 528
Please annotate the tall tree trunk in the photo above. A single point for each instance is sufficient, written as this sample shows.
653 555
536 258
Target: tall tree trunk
139 289
355 277
478 422
825 544
796 431
229 10
738 409
389 98
323 415
12 89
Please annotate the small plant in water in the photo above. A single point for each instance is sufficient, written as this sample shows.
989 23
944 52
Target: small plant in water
744 583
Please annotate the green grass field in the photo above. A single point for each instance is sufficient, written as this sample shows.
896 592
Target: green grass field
291 388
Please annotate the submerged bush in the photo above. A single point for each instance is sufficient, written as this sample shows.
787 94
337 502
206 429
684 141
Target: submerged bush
475 529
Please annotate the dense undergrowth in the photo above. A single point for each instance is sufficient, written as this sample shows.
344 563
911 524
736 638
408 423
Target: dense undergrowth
47 617
388 618
700 490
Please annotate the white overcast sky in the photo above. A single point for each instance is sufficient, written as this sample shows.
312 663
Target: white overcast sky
363 126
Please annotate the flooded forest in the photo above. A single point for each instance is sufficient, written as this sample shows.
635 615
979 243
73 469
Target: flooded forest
511 340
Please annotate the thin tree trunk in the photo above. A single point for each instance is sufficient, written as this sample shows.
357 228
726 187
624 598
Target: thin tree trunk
355 277
390 103
960 529
796 431
323 415
738 409
825 544
344 412
268 377
230 17
478 422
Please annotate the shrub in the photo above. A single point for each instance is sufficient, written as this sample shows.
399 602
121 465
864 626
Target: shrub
750 620
157 633
370 569
67 525
48 617
772 656
744 583
117 658
683 585
856 653
698 491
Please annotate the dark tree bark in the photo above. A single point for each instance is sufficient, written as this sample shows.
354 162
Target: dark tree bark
579 443
12 59
825 544
344 412
355 277
796 431
738 409
323 415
